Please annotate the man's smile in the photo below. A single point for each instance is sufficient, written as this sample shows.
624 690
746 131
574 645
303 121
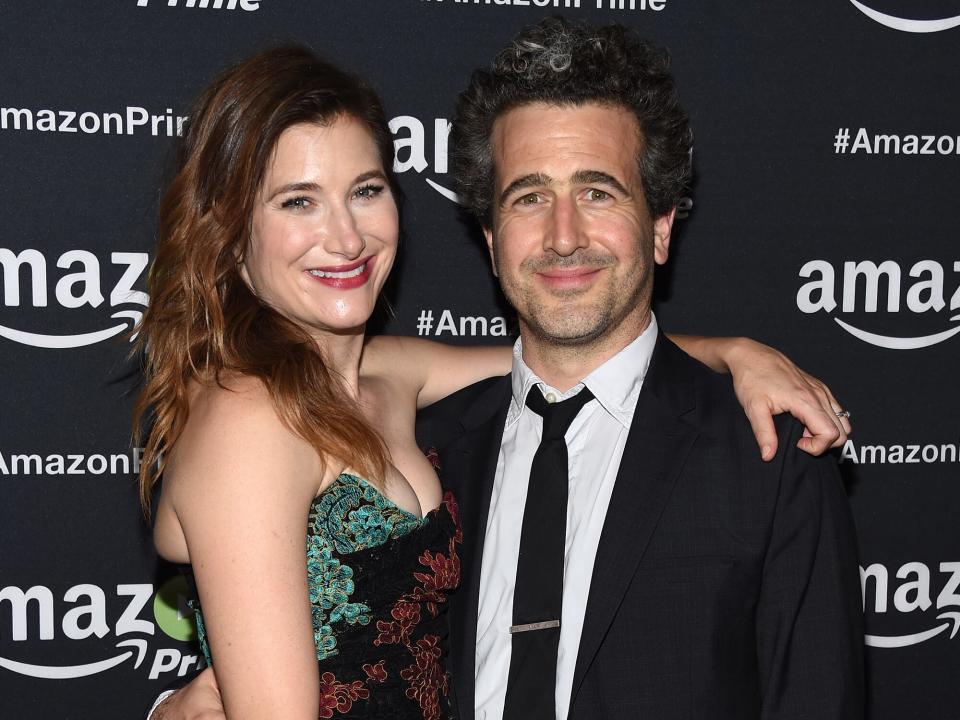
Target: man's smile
568 278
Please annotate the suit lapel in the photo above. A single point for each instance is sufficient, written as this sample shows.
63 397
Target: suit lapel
469 467
657 447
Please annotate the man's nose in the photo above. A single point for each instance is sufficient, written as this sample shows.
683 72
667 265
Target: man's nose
566 231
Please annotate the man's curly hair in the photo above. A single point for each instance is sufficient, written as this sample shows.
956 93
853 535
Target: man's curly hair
564 63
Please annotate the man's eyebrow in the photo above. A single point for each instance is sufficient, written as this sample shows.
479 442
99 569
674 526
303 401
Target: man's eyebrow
598 177
527 181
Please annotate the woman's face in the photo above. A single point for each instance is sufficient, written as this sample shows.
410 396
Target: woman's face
324 227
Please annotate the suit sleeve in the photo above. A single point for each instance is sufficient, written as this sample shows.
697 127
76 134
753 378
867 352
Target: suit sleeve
809 615
173 687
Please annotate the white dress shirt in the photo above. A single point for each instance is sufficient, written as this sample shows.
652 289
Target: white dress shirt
595 442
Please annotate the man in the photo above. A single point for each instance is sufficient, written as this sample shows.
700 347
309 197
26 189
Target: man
697 580
671 573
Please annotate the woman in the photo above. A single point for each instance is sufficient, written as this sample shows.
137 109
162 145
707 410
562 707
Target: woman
268 407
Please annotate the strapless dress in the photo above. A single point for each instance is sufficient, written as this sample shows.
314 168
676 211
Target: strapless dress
378 579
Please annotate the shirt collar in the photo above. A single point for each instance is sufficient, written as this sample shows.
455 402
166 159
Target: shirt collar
615 384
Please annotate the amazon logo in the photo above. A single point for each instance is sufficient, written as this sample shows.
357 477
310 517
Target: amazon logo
421 151
874 298
109 622
912 590
27 277
907 24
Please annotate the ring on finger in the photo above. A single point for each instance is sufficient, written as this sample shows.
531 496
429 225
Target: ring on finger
842 413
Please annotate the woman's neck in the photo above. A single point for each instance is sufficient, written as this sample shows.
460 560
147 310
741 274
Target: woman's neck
342 352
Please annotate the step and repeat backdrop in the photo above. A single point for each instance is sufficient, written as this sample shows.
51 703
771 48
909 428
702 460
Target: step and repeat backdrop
824 220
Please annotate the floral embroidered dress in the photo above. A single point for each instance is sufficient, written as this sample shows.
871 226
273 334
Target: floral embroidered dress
378 579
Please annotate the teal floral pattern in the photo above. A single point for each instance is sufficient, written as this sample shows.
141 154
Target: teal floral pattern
194 605
378 580
349 516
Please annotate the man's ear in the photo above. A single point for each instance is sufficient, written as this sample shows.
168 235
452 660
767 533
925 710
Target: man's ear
662 227
488 235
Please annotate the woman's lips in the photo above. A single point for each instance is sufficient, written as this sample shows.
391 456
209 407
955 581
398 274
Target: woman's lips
344 277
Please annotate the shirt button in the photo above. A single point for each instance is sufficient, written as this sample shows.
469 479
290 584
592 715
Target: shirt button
551 398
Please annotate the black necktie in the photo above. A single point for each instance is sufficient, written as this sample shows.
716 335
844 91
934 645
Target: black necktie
538 591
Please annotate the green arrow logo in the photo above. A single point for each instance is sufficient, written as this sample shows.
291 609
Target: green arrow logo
171 611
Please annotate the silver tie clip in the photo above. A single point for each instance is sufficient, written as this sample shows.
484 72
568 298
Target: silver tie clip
534 626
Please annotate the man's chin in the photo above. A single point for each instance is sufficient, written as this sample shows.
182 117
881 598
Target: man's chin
583 325
569 334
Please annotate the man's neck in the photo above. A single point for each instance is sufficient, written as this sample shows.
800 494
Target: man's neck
562 366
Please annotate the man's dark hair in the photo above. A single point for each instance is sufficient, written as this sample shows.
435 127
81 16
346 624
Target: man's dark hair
564 63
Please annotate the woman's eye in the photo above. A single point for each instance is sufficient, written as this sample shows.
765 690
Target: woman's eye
368 191
297 203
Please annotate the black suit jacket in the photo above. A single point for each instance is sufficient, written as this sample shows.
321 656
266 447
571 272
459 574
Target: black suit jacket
724 587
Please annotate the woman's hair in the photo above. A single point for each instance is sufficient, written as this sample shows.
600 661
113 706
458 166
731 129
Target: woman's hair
203 320
562 63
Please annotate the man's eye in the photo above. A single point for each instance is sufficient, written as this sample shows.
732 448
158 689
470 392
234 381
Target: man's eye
530 199
597 195
297 203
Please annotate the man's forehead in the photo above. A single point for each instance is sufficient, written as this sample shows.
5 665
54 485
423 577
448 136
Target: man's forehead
528 138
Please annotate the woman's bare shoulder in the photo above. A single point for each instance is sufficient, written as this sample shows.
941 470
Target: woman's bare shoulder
234 431
233 457
229 392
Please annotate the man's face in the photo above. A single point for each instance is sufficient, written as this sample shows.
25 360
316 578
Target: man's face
572 240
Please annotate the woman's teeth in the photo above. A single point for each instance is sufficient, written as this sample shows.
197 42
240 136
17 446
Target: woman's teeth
340 275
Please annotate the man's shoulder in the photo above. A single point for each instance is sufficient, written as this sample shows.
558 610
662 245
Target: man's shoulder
685 380
439 422
465 398
726 451
714 406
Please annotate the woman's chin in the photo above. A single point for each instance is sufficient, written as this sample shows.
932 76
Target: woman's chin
343 328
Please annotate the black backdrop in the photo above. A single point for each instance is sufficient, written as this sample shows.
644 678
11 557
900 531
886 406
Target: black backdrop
824 221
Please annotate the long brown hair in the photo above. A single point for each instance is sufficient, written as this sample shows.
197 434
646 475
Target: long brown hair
203 320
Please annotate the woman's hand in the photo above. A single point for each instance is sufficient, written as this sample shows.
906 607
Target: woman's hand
768 383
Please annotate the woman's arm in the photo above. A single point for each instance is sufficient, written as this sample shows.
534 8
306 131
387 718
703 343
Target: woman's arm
431 369
768 383
241 492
